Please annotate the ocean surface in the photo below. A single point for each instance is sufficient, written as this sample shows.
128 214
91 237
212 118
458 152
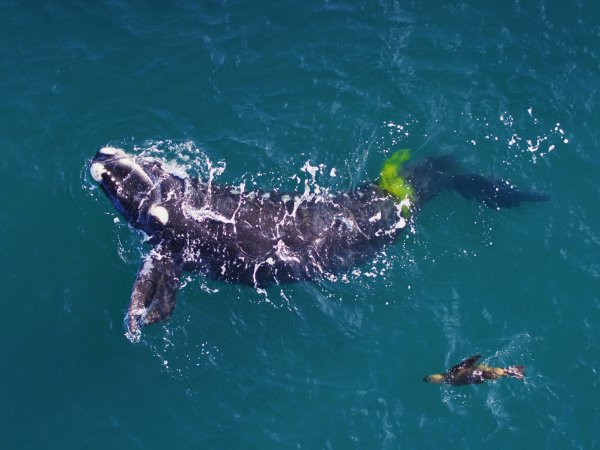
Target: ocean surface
275 93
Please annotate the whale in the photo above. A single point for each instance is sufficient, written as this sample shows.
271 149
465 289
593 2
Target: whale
264 238
469 372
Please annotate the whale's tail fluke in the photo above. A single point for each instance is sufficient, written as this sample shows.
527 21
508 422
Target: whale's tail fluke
428 177
517 372
493 193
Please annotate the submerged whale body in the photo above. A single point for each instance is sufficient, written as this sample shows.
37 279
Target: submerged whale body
263 238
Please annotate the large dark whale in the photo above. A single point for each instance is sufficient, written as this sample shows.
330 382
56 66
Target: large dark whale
262 238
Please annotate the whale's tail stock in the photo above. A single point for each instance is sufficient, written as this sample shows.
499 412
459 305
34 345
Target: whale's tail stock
432 175
493 193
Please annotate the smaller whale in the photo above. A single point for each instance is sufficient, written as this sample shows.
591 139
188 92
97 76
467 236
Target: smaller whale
469 372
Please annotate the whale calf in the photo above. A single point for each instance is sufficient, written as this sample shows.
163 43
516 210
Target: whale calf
469 372
262 238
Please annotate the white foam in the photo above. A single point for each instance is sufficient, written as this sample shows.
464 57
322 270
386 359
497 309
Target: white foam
376 217
312 170
284 253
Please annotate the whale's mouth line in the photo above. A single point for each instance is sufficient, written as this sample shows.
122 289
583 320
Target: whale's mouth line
116 202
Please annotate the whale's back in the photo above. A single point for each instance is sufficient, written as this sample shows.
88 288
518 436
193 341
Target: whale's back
261 239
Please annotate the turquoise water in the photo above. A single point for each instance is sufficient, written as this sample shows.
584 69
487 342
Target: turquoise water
509 89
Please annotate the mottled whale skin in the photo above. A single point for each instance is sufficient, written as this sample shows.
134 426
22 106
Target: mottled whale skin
260 238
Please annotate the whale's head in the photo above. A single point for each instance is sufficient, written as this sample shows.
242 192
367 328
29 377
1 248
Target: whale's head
130 182
436 378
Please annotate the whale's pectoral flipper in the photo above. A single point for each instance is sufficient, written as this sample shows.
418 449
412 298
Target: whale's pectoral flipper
493 193
154 291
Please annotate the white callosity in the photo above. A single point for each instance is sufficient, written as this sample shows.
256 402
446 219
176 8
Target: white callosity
97 170
159 213
112 151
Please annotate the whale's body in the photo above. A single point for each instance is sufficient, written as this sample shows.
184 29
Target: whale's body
260 238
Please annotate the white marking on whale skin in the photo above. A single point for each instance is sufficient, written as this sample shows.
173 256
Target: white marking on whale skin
160 213
97 170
